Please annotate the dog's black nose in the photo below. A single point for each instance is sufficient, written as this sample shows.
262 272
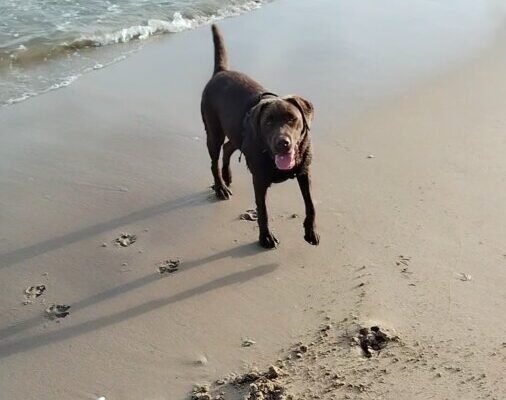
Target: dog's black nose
283 143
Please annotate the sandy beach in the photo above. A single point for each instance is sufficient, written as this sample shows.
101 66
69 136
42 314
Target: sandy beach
409 182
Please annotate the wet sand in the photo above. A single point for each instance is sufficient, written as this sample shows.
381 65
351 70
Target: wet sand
409 181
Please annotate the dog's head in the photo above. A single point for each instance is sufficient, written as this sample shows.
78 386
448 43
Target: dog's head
280 123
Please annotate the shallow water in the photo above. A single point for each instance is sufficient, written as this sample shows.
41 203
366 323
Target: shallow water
45 44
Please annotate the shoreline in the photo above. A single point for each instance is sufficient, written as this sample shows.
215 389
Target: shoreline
61 62
122 150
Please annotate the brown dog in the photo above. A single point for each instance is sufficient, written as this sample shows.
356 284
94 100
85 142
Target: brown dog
271 131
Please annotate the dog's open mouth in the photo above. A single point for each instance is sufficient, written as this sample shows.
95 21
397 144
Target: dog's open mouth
285 161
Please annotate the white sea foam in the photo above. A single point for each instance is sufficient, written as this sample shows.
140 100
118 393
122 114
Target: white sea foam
64 82
158 26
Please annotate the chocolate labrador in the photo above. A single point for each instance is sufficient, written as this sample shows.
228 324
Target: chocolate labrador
271 131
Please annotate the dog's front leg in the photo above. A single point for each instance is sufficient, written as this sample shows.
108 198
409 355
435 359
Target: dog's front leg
310 234
266 238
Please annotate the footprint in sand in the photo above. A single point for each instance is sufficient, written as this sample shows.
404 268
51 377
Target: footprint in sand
125 240
403 260
33 292
372 339
249 215
55 311
168 267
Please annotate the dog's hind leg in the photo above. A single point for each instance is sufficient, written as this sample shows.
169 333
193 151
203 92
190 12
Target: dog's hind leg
226 173
215 140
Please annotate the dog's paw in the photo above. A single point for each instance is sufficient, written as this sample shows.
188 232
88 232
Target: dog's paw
268 241
312 237
222 192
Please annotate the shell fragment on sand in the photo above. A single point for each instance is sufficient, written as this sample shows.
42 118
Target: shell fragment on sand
247 342
465 277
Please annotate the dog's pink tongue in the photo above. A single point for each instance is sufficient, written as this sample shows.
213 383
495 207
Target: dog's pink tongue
285 161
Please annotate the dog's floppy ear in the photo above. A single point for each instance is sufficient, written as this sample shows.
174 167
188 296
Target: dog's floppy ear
252 120
305 107
251 126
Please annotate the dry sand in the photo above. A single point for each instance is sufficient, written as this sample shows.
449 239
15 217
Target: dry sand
412 236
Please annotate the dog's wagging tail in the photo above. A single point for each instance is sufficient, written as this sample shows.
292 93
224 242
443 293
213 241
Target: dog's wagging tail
272 131
220 53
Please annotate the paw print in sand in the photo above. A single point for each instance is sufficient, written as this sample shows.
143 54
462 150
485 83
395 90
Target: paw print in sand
55 311
125 240
168 267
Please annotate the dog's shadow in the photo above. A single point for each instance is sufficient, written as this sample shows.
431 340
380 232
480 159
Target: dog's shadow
25 253
36 341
